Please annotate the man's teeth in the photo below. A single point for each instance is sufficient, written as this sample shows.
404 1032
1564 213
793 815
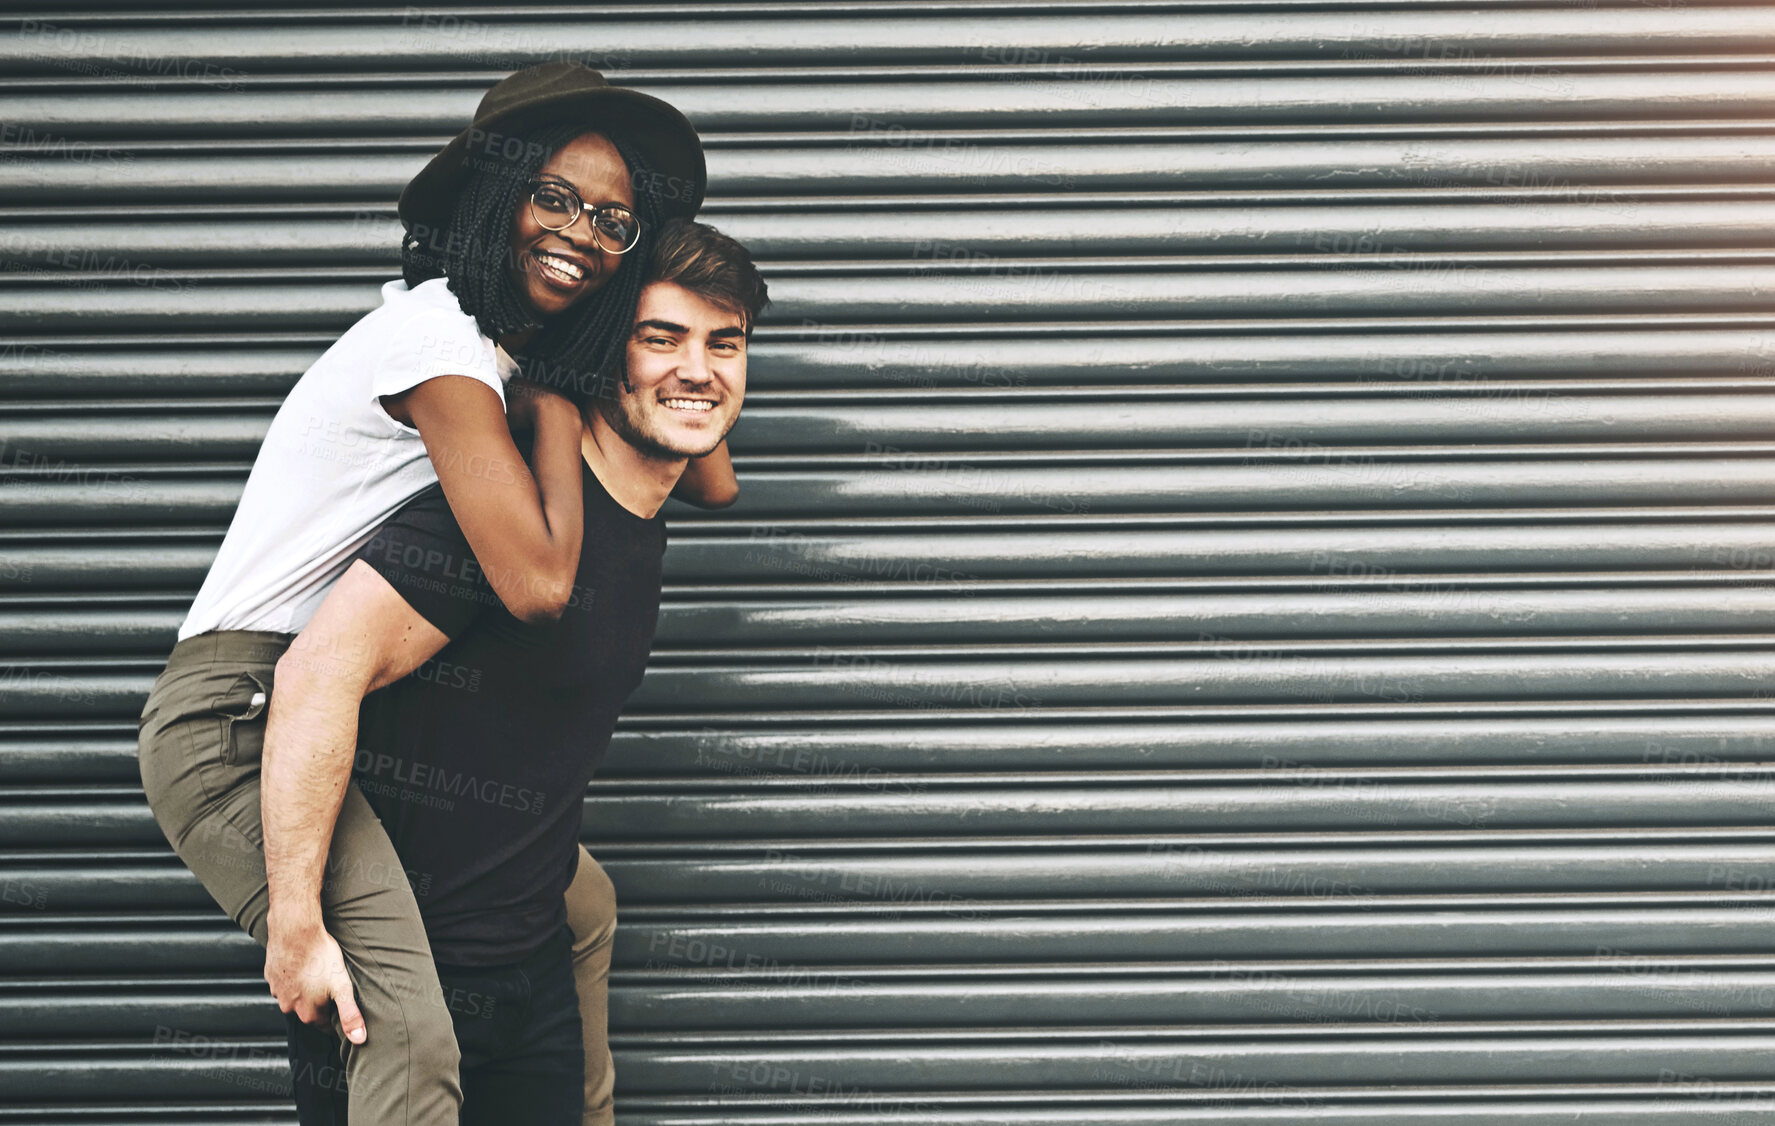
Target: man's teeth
561 268
690 404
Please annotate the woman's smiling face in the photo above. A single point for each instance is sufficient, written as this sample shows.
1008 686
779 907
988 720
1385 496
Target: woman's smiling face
551 270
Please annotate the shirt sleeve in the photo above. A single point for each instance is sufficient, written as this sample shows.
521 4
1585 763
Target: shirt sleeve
423 554
432 343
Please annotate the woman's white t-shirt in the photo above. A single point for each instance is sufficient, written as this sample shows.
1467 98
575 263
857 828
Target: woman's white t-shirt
335 465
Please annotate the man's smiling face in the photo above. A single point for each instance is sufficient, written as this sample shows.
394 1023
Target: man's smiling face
686 374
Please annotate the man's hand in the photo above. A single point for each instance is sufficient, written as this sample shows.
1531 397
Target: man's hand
305 970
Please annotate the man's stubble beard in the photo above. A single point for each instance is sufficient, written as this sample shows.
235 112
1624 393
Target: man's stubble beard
616 413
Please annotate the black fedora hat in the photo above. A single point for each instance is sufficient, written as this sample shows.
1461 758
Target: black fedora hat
565 91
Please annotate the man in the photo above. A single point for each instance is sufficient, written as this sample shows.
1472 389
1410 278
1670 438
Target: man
477 754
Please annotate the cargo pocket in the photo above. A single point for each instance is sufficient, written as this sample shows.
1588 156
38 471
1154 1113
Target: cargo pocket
241 708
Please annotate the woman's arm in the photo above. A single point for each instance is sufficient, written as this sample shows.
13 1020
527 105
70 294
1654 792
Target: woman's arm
524 527
708 481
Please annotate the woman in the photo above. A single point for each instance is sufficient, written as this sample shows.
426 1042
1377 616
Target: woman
526 240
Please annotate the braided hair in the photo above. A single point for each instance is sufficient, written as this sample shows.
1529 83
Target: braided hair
575 351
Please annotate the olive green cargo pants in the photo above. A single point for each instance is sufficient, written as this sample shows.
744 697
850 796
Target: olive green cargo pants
200 738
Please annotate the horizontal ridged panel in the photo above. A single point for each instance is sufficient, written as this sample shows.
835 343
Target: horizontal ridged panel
231 303
871 803
1248 603
1584 167
1066 614
170 238
797 551
133 495
847 996
1130 417
1038 98
803 754
982 684
395 38
1230 365
1010 934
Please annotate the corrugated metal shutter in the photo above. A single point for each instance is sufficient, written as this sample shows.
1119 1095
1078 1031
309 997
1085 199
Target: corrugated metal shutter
1251 600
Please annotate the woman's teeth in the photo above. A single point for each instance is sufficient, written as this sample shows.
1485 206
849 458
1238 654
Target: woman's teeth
560 269
698 405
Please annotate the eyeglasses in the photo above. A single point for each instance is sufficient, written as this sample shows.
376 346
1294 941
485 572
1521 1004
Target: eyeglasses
556 206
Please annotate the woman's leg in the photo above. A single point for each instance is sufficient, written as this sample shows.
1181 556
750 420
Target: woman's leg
591 916
200 738
368 905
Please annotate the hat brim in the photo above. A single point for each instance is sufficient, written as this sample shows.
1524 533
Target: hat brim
677 179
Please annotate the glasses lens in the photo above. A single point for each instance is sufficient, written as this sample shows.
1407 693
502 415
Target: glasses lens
555 206
617 229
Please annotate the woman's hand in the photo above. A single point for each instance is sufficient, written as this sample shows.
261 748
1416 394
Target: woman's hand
708 480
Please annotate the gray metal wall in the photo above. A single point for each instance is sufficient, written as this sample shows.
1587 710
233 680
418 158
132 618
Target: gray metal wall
1251 600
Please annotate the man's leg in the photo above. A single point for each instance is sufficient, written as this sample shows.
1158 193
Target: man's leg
591 916
522 1060
201 735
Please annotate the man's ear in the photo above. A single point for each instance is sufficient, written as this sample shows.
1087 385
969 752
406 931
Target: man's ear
607 386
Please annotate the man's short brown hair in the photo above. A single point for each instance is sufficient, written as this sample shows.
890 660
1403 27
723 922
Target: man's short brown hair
711 265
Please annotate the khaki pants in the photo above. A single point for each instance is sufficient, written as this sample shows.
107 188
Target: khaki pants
200 736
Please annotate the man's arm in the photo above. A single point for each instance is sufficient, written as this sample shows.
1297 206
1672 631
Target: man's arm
364 636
